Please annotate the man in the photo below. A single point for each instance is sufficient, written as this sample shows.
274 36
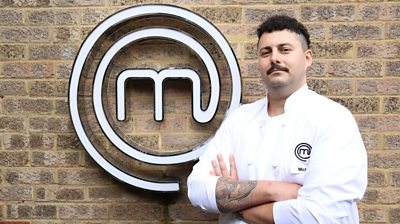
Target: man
292 157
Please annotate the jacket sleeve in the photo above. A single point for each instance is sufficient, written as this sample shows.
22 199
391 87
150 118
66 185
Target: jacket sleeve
201 184
335 180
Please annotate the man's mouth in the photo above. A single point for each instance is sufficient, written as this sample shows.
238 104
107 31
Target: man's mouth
276 67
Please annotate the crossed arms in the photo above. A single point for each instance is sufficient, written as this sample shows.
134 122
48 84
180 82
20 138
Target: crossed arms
335 180
251 200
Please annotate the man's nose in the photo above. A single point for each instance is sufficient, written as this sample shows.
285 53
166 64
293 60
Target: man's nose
275 57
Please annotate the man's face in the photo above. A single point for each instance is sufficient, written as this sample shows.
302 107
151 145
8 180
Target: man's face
282 60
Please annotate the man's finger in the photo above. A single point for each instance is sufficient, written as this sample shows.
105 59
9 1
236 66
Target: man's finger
222 166
216 168
232 164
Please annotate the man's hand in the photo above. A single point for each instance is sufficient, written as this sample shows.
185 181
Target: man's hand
220 169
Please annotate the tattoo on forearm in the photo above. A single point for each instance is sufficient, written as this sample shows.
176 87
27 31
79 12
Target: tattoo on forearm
230 192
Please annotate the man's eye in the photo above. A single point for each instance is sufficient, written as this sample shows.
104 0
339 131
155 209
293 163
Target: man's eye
265 53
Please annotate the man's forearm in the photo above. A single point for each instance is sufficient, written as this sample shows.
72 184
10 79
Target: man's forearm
234 195
262 214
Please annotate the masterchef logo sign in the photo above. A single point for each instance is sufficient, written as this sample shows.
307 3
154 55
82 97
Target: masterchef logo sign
101 93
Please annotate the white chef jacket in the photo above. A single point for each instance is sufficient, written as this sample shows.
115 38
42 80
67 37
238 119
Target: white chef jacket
315 143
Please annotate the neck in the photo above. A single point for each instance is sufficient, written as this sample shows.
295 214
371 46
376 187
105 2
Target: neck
277 100
276 106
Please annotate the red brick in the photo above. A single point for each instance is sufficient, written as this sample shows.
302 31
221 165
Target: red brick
16 193
83 177
170 123
53 52
68 141
40 141
387 160
53 17
14 159
389 86
63 70
259 14
15 141
378 123
384 195
328 13
394 214
31 176
317 69
25 34
332 49
379 49
12 124
376 178
371 141
393 68
393 31
395 176
392 142
376 12
49 88
220 14
181 142
360 105
331 87
253 87
391 105
12 52
24 106
14 222
363 68
30 211
12 88
94 15
50 193
79 3
188 212
67 34
32 3
12 17
52 124
373 214
55 159
355 32
28 70
138 211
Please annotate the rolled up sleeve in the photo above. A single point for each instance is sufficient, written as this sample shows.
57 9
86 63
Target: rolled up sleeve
201 191
201 184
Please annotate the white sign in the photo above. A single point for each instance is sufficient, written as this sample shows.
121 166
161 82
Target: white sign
200 115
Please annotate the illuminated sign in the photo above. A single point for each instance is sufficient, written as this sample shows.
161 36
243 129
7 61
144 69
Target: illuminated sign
200 115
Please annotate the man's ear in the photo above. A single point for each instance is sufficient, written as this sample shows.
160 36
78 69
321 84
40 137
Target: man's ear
309 57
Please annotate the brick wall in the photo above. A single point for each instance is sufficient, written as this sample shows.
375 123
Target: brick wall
46 176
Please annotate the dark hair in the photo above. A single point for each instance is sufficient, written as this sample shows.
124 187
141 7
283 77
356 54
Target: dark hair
282 22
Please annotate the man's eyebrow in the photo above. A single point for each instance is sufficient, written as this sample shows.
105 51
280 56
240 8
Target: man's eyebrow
265 48
285 44
279 45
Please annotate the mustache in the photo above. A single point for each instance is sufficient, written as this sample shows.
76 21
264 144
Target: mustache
277 67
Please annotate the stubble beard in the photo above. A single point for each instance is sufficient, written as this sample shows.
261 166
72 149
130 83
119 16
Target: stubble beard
275 80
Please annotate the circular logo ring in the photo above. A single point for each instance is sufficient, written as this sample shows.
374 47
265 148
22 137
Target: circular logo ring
303 151
83 54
